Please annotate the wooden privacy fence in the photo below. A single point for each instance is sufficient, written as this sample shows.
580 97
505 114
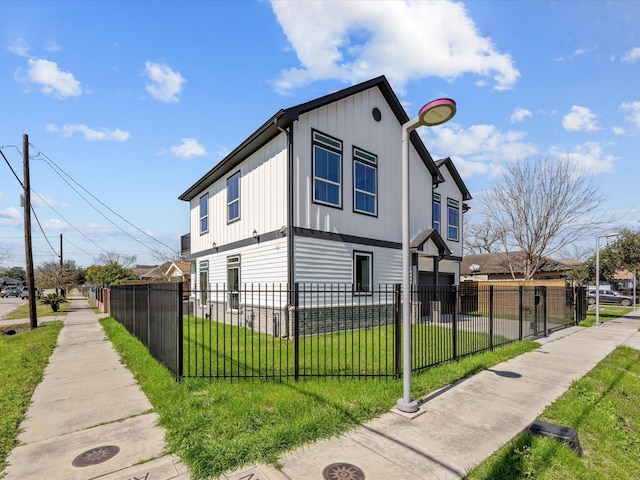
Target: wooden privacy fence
329 330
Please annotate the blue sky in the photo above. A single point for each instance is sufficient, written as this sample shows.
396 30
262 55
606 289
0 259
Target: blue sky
131 102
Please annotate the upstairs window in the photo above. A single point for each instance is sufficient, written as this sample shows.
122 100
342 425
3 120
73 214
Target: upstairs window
453 208
436 212
327 170
365 182
204 213
233 197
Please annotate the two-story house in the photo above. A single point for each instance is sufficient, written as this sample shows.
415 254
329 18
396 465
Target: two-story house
314 196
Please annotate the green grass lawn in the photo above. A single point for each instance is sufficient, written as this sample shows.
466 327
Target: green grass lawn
217 426
607 312
603 408
222 350
23 358
41 311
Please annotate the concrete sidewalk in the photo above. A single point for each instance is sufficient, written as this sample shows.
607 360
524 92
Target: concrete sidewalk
88 417
462 424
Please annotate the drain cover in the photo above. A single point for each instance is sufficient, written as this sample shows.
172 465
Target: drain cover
95 456
342 471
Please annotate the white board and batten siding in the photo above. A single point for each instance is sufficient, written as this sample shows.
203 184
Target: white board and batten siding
350 121
263 199
449 190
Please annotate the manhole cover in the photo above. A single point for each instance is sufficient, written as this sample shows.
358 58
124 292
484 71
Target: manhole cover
342 471
95 456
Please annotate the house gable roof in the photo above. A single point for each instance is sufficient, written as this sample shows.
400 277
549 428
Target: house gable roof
284 118
430 234
453 171
497 263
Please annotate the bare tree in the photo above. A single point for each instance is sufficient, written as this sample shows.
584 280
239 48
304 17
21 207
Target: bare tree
538 208
482 237
4 255
118 258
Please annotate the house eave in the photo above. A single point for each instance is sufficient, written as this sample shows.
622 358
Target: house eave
284 118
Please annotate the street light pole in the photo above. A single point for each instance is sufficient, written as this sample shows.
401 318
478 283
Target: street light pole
598 237
433 113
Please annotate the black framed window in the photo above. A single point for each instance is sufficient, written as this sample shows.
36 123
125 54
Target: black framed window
453 219
436 211
362 272
327 170
365 182
233 197
204 213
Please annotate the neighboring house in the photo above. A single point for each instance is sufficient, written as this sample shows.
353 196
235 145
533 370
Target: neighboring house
495 267
5 281
314 196
178 271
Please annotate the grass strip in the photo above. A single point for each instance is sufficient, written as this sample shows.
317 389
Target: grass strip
603 408
41 311
218 426
23 358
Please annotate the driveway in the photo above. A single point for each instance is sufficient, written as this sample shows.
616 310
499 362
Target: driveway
9 304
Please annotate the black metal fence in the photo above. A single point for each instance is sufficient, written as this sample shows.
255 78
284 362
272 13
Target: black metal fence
328 330
153 314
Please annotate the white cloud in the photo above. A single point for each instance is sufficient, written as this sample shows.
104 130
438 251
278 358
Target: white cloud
583 51
519 114
480 142
19 47
631 56
90 134
354 41
588 157
633 109
189 148
619 130
51 79
52 47
164 84
580 119
10 216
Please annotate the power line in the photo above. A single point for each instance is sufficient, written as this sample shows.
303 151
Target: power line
69 223
59 171
9 165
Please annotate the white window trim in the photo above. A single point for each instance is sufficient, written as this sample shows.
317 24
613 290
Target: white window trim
454 205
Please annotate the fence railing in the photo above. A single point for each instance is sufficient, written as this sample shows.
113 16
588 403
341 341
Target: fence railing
330 330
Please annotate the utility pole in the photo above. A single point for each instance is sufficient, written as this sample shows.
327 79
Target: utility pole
28 249
62 290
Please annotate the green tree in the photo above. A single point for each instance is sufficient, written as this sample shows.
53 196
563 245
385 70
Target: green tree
621 254
17 273
110 274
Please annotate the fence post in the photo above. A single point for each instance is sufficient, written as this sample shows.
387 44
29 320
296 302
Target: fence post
180 329
296 328
397 314
491 317
149 315
520 312
544 311
454 337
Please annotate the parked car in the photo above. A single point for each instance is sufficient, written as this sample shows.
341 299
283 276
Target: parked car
609 296
24 293
11 291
